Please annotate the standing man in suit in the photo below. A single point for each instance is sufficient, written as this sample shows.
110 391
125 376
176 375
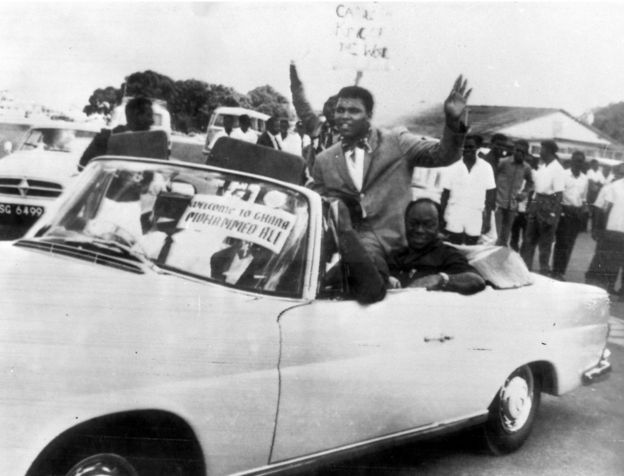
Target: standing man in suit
371 168
270 137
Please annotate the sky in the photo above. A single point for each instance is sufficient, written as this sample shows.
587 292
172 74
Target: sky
563 54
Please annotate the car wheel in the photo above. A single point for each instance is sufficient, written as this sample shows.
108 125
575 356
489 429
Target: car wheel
103 464
512 412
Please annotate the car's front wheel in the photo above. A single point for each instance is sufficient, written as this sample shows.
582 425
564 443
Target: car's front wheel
512 413
103 464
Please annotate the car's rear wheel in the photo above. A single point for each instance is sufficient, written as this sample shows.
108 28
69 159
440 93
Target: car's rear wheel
103 464
512 413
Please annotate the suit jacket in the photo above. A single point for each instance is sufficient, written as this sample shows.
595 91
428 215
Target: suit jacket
266 141
221 261
388 169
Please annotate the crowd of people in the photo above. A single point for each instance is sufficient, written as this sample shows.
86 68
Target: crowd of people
501 195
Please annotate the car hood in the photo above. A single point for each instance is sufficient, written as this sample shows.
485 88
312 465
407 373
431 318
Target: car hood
113 330
48 165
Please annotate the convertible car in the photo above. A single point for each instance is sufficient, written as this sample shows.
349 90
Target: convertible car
169 318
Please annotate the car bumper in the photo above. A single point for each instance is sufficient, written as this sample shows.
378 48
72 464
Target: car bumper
600 371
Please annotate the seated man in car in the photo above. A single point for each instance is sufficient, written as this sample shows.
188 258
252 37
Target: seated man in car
428 262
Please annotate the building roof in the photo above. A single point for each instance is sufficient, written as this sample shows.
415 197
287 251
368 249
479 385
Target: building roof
487 120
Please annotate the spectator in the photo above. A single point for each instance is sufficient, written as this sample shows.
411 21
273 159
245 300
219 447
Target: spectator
544 209
518 226
468 196
244 131
513 184
291 142
270 137
595 181
608 231
228 128
498 149
574 210
139 117
428 262
373 168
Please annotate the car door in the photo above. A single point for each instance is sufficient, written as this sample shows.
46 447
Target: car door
351 373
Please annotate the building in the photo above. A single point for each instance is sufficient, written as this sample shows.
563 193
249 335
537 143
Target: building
533 124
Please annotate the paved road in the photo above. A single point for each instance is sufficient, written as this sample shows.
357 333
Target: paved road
580 433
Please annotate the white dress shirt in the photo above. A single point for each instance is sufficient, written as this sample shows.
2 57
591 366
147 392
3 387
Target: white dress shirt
249 136
549 179
575 189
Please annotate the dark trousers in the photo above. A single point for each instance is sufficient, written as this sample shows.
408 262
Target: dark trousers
461 238
517 230
504 218
540 234
607 261
570 224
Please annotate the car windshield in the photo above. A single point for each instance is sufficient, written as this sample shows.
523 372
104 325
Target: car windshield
242 232
58 139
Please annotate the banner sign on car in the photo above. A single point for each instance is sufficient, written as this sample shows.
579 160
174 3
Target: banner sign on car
361 36
259 224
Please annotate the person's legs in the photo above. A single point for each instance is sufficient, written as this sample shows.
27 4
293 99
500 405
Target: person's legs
471 240
529 241
455 238
547 235
506 220
518 226
564 240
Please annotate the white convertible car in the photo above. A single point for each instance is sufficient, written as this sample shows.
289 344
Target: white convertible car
173 319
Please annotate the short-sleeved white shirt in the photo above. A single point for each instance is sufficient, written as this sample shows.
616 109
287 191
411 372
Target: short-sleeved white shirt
464 211
549 179
575 189
614 194
596 176
249 136
468 187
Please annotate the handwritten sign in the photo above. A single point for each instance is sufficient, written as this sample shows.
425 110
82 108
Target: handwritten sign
259 224
359 30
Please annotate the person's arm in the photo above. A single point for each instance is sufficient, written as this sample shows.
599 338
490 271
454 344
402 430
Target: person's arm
468 282
309 119
96 148
448 150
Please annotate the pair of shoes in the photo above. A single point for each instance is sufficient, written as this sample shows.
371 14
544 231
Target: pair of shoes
557 276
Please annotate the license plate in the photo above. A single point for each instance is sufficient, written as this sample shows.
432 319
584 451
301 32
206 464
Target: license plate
20 212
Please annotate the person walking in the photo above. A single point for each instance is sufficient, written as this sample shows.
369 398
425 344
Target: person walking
544 209
514 182
608 231
468 197
574 210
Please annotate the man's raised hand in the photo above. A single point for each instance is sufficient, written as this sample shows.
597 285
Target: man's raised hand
455 104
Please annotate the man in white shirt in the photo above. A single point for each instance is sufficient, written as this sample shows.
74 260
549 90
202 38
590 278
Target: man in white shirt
608 230
545 207
468 196
291 142
574 210
244 131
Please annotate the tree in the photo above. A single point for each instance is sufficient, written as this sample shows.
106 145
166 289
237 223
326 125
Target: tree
150 84
187 105
610 120
267 100
103 101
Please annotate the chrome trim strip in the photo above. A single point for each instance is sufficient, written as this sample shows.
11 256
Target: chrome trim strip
468 420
